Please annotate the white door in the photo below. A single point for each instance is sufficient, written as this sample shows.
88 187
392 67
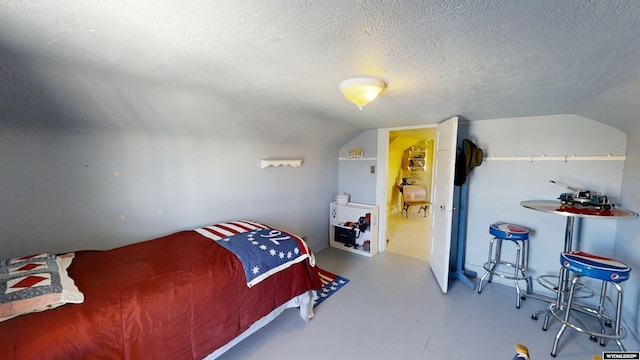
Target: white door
442 207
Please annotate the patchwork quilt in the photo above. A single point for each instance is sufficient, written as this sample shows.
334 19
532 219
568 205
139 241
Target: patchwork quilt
35 283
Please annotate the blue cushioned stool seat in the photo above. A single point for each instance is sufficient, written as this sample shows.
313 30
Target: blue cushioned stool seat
593 266
508 231
517 269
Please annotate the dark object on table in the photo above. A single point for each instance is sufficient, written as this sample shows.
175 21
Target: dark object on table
583 197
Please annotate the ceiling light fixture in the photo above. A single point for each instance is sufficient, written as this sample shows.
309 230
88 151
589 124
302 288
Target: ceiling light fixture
362 91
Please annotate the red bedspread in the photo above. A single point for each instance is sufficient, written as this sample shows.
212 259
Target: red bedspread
181 296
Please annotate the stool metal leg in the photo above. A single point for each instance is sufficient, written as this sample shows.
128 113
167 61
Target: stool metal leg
522 268
603 293
617 328
525 267
491 264
515 273
496 257
567 314
604 320
558 303
557 339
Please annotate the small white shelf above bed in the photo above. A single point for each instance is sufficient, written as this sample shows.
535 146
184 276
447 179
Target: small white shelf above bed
267 163
358 159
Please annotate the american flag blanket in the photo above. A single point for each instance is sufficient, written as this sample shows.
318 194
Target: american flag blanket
262 250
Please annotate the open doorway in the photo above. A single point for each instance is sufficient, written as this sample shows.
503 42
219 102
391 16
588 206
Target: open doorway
409 162
442 209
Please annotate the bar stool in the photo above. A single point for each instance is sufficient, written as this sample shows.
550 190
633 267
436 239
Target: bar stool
519 236
607 270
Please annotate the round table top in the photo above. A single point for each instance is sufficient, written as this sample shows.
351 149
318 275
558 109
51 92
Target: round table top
554 207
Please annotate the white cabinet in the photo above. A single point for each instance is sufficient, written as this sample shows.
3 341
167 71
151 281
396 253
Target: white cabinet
357 228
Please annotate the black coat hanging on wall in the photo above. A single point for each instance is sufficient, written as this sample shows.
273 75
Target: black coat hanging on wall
469 157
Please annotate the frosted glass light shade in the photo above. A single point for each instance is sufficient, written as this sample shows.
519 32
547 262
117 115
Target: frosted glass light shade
362 91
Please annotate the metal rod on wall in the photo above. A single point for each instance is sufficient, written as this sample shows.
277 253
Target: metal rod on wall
557 158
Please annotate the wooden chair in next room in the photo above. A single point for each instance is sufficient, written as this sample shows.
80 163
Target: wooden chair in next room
415 195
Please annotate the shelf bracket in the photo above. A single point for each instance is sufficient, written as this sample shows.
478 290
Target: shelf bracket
267 163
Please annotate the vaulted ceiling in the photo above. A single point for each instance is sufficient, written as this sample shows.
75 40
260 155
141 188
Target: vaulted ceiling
280 62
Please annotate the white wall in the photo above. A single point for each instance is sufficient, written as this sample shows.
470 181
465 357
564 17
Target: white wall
184 157
97 190
355 177
627 245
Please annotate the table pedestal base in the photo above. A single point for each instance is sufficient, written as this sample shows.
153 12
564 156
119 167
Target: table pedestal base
465 276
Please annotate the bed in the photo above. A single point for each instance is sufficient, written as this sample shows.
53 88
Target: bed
187 295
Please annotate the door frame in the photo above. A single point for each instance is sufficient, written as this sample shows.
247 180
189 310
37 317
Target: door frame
382 178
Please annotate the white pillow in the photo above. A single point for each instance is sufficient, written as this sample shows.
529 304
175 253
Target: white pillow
36 283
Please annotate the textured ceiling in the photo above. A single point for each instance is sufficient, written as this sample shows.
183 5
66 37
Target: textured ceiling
477 59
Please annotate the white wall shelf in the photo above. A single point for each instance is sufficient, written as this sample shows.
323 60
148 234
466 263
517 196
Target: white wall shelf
267 163
557 158
358 159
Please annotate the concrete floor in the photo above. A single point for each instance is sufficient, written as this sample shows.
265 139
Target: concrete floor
393 309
